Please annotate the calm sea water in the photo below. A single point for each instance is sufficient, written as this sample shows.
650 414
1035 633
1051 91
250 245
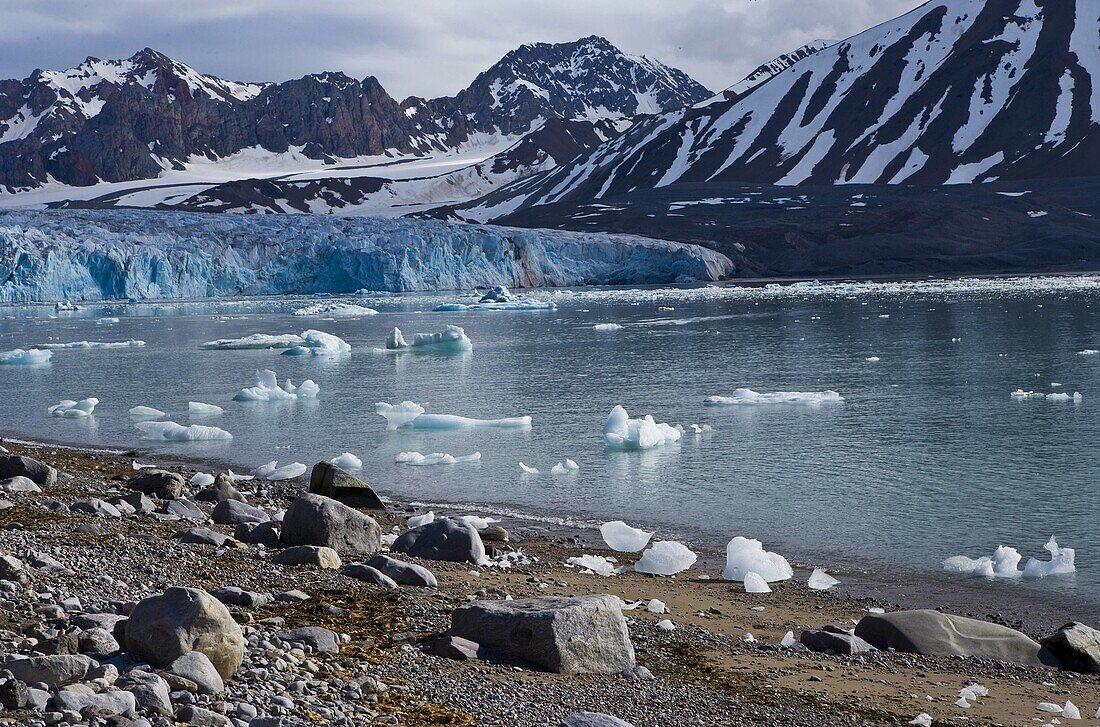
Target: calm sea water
927 457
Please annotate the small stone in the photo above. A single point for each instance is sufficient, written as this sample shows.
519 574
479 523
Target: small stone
320 639
316 555
451 647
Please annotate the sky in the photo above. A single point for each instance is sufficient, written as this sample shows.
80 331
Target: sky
419 47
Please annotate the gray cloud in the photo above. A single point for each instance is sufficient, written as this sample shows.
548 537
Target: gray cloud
421 47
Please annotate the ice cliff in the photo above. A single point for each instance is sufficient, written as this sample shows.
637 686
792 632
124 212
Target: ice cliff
111 254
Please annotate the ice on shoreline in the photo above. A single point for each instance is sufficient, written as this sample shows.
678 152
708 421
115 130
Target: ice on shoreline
417 520
749 397
756 583
819 580
25 357
256 341
411 415
623 538
288 472
597 564
267 389
146 412
416 459
87 345
1005 561
202 479
336 310
347 461
198 409
747 555
666 558
70 409
622 432
173 432
450 339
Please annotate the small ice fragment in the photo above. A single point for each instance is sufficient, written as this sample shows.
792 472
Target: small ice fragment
202 479
564 468
336 310
528 470
88 345
264 471
656 606
347 461
417 459
607 327
594 563
742 397
876 609
106 321
666 558
198 409
666 625
744 555
306 390
267 389
623 538
70 409
571 465
173 432
748 638
1049 707
139 466
478 522
922 720
146 412
288 472
1089 352
873 359
450 339
417 520
1061 562
20 357
821 581
1070 710
622 432
755 583
1003 564
410 414
961 702
788 641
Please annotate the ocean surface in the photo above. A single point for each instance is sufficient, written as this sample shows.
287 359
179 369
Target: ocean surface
927 456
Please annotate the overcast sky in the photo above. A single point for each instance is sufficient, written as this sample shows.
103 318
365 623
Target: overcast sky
418 47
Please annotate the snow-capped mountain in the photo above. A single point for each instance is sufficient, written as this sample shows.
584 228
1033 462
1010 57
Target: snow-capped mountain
765 71
956 91
148 116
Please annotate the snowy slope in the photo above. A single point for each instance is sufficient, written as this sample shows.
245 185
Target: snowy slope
765 71
97 255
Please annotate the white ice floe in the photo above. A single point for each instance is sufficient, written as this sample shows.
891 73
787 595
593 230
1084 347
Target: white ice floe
202 479
597 564
288 472
267 389
336 310
479 522
70 409
607 327
1003 564
109 321
873 359
198 409
1061 396
623 538
1060 563
21 357
656 606
701 430
821 581
748 397
745 555
172 432
264 471
666 558
565 468
417 520
450 339
510 305
86 345
255 341
319 343
1089 352
622 432
411 415
347 461
755 583
666 625
417 459
146 412
528 470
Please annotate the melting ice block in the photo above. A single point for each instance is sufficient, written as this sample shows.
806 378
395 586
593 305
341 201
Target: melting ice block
267 389
70 409
596 563
564 468
85 345
336 310
742 397
755 583
418 520
202 479
172 432
21 357
198 409
821 581
607 327
666 558
288 472
746 555
1061 562
528 470
1003 564
623 538
417 459
410 414
146 412
347 461
450 339
320 343
622 432
265 470
478 522
255 341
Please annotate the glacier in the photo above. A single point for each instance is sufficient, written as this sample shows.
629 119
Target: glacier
87 255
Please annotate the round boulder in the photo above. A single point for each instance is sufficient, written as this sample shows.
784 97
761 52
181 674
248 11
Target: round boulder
163 628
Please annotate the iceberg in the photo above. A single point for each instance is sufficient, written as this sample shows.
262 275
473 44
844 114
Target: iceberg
267 389
70 409
411 415
146 412
418 520
528 470
564 468
106 321
417 459
1061 396
748 397
255 341
85 345
21 357
1060 563
515 305
623 538
320 343
821 581
347 461
202 479
288 472
746 555
755 583
666 558
1003 564
622 432
336 310
606 327
198 409
172 432
497 294
597 564
450 339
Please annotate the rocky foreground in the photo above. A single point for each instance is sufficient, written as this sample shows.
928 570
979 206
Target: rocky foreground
138 598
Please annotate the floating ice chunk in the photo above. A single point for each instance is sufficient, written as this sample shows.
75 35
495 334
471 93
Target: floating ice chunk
411 415
265 470
202 479
66 306
255 341
622 432
417 459
496 294
922 720
21 357
1061 396
528 470
564 468
607 327
748 396
788 641
418 520
86 345
1089 352
666 625
288 472
70 409
450 339
106 321
873 359
267 389
1070 711
755 583
172 432
1060 563
398 415
347 461
306 390
666 558
623 538
298 351
656 606
320 343
700 430
511 305
146 412
198 409
478 522
336 310
1003 564
597 564
821 581
745 555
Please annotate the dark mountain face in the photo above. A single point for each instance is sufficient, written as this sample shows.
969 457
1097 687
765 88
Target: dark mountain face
956 91
132 119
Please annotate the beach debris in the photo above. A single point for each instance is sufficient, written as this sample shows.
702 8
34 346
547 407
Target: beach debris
666 558
620 432
821 581
623 538
747 555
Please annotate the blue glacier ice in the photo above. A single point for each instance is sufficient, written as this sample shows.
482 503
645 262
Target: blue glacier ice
83 255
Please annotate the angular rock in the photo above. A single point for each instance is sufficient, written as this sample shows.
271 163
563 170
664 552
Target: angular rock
564 635
202 536
834 640
112 702
493 533
14 694
368 574
220 491
11 569
1077 647
406 574
320 639
316 520
19 483
183 508
452 647
140 502
163 628
105 621
442 539
98 641
162 484
150 690
199 717
235 512
328 480
16 465
265 534
939 634
593 719
234 596
195 667
55 671
317 555
96 507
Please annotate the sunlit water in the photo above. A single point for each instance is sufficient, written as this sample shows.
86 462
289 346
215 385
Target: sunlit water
927 457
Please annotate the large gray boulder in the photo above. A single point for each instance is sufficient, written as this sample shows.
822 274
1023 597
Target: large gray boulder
593 719
939 634
158 483
235 512
56 670
407 574
150 690
163 628
105 703
365 573
1077 647
19 483
16 465
317 520
565 635
328 480
183 508
443 539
